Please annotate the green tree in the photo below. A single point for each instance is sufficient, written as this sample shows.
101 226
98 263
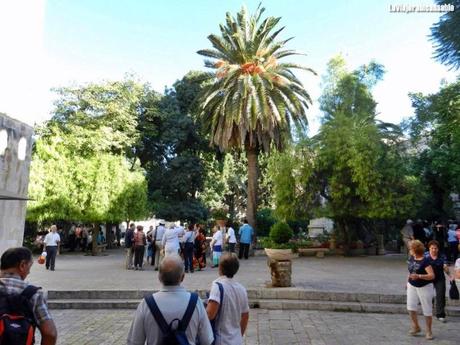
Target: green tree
359 162
446 35
170 151
254 99
435 134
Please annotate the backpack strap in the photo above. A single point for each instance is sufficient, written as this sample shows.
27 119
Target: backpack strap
221 290
29 291
158 316
183 324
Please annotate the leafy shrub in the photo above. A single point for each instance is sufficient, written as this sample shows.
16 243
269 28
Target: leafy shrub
265 220
219 213
281 233
267 242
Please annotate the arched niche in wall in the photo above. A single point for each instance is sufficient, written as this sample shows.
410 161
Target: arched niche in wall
22 148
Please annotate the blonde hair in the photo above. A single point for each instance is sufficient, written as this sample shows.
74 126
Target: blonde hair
418 247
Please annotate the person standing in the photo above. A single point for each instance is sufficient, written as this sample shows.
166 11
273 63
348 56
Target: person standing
51 242
407 234
129 238
216 245
438 263
150 245
246 234
200 247
139 247
420 288
440 235
172 302
158 237
170 240
189 239
453 243
231 239
228 303
15 267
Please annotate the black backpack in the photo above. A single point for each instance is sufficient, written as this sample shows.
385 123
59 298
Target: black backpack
129 236
17 321
173 336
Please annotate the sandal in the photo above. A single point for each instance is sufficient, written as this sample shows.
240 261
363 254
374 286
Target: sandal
414 331
429 336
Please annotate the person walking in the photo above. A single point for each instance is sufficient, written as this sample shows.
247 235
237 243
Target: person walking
139 247
420 288
51 242
129 238
228 303
150 245
246 234
15 267
407 234
438 263
189 239
172 305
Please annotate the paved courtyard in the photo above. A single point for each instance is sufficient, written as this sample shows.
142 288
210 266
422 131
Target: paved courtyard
371 274
266 327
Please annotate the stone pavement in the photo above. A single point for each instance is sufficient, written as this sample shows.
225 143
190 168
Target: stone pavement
372 274
266 327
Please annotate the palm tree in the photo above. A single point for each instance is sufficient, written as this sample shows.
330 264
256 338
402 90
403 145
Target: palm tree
254 100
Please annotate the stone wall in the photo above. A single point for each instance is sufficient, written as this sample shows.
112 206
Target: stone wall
15 157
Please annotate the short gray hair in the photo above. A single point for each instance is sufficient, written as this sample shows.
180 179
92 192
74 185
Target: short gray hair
171 270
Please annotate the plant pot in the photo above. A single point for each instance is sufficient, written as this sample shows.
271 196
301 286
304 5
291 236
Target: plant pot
279 254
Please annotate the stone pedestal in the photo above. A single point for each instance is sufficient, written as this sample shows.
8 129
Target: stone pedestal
281 272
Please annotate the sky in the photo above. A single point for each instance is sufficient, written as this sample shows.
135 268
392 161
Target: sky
52 43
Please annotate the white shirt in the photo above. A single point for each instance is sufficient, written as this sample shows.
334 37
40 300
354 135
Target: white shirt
172 302
217 238
171 239
52 239
160 231
189 236
231 235
234 304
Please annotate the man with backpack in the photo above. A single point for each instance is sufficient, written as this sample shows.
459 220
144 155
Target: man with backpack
22 306
172 315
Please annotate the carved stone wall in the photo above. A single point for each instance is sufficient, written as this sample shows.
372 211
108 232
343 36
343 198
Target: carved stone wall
15 157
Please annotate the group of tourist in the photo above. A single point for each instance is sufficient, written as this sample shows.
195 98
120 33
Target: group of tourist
227 307
427 280
447 236
190 243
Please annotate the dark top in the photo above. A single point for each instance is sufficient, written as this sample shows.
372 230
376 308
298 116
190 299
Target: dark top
438 266
418 267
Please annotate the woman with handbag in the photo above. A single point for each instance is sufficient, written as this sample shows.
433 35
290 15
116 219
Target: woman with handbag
139 247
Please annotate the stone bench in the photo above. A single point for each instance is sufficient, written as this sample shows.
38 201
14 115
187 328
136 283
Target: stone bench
319 252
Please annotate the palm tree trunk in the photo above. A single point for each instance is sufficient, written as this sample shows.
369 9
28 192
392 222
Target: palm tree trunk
252 156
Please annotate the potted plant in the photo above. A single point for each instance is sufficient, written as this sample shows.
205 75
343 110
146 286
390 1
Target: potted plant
277 246
220 216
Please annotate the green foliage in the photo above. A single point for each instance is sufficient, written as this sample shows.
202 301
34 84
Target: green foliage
265 220
281 233
267 242
169 150
79 170
219 213
435 135
446 37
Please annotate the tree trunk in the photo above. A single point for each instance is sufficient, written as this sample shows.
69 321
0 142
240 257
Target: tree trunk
94 239
108 235
252 156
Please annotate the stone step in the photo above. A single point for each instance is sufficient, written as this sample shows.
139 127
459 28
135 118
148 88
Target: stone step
274 304
253 294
